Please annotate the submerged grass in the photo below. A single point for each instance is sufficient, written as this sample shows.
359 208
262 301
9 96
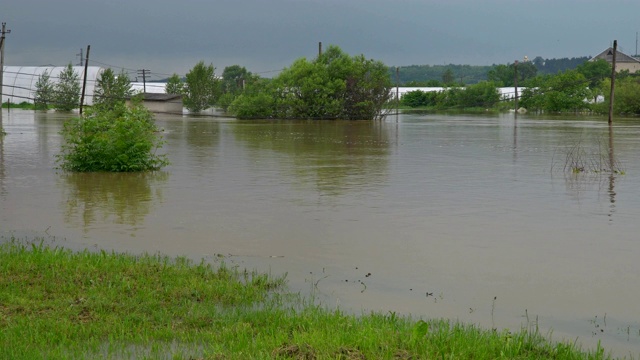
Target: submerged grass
59 304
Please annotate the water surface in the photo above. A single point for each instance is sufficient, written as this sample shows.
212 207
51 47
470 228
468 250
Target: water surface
466 217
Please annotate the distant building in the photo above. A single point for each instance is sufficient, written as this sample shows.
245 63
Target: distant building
162 103
623 61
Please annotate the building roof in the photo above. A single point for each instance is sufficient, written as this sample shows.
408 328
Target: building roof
161 97
620 57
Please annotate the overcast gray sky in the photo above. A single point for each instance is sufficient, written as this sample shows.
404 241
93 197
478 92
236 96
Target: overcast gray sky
169 36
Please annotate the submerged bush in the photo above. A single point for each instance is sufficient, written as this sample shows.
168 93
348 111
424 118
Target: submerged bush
122 139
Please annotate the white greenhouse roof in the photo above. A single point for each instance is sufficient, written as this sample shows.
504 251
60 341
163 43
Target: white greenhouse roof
19 82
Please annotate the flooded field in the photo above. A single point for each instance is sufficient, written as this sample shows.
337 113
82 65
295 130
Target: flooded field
476 218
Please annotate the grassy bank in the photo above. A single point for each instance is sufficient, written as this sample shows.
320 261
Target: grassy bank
58 304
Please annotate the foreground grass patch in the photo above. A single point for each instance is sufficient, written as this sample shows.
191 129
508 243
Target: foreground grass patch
58 304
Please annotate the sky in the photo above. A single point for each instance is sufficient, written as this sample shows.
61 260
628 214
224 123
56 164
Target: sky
265 36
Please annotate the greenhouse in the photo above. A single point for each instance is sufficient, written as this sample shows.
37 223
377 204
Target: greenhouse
19 82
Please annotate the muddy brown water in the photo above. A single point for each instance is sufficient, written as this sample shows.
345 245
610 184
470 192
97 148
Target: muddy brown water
466 217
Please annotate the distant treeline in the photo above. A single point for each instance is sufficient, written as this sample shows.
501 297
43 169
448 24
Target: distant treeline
436 75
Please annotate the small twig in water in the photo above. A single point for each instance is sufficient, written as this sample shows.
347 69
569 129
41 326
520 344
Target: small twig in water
316 283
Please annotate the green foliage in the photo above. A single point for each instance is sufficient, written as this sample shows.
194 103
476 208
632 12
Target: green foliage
67 90
563 92
234 77
45 91
554 66
595 71
259 105
626 98
484 94
415 98
335 85
111 91
175 85
448 77
201 87
504 75
431 75
121 139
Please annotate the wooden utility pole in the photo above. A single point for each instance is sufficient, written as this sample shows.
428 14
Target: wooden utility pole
613 80
319 49
81 57
4 31
397 91
144 73
84 82
515 84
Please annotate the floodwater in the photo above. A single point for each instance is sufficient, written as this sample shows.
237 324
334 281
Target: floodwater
473 218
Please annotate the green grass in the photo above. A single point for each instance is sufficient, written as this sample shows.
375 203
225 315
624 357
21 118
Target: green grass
58 304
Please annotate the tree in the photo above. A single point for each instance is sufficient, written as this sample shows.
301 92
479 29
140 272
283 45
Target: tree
595 72
334 85
111 90
627 96
175 85
563 92
483 94
448 78
200 87
504 75
233 78
45 91
67 90
122 139
415 98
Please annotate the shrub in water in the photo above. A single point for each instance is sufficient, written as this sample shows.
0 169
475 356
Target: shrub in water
120 139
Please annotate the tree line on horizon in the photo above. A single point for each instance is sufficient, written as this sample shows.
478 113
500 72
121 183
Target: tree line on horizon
452 74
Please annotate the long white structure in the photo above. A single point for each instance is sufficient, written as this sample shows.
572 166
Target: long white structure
19 82
506 93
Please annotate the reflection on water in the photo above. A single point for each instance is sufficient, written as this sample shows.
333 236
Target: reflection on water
592 165
468 208
335 157
119 198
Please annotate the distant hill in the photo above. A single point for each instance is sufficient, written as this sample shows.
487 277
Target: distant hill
427 75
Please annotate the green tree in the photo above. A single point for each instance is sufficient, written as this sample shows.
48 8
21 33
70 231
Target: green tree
45 91
627 96
448 77
504 75
67 90
483 94
122 139
563 92
595 72
201 87
415 98
234 77
111 90
174 85
334 85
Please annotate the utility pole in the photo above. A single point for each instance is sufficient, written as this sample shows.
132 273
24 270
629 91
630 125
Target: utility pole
319 49
613 80
144 73
81 57
397 91
4 31
515 84
84 82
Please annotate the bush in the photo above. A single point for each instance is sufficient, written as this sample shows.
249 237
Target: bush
119 140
